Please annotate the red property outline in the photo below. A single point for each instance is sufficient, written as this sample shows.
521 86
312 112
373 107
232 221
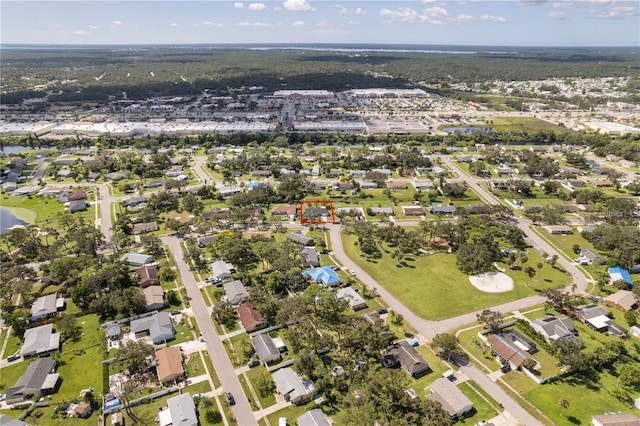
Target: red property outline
316 222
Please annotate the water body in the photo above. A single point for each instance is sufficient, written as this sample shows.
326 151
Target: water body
8 220
469 130
10 149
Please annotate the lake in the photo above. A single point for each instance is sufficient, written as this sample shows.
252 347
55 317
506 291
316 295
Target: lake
8 220
10 149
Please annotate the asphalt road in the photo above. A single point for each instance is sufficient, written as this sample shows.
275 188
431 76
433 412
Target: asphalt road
221 363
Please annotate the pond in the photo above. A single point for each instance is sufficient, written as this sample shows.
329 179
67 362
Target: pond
468 130
9 220
13 149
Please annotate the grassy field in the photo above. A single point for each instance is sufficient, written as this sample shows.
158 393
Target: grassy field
524 124
424 292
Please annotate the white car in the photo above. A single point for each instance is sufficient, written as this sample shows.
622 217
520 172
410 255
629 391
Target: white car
352 272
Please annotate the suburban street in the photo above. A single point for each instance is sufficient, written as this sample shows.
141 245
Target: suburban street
221 363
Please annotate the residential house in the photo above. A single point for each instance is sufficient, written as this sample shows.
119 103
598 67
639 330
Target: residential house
303 240
412 210
597 317
9 421
39 379
205 240
154 297
250 318
448 210
168 364
558 229
368 185
622 300
313 417
355 301
383 211
235 293
114 331
286 210
216 213
315 212
157 327
554 328
464 159
77 201
136 259
323 274
46 307
143 228
619 274
221 270
613 419
450 397
309 257
40 341
292 387
423 185
181 411
394 185
133 201
357 173
116 176
508 351
265 348
592 258
409 358
148 275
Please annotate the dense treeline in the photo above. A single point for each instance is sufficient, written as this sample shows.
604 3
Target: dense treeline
95 74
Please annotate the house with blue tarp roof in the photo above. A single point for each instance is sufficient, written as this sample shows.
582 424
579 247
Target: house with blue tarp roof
618 273
323 274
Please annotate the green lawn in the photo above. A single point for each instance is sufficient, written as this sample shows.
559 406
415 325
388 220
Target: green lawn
423 284
212 371
482 410
254 375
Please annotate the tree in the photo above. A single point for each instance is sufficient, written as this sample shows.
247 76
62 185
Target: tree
630 376
69 328
446 343
631 317
134 354
492 320
564 404
266 386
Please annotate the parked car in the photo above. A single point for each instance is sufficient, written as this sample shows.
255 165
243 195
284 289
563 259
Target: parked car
13 357
254 363
230 399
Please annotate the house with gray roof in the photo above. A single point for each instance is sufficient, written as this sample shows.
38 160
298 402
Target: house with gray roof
355 301
8 421
235 293
292 387
451 210
136 259
157 327
313 417
40 341
410 360
303 240
265 348
182 410
385 211
143 228
221 270
309 257
39 379
554 328
46 307
450 397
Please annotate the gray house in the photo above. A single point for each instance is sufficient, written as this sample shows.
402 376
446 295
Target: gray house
409 359
265 348
221 270
46 307
298 238
39 379
309 257
313 417
40 341
554 328
450 397
157 327
235 292
181 411
136 259
292 387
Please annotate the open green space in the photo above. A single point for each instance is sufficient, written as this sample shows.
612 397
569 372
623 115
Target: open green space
254 375
524 124
440 290
482 410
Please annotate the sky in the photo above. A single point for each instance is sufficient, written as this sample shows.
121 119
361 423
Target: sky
420 22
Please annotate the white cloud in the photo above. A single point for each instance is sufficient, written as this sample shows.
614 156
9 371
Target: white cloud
297 6
531 2
253 24
116 24
258 6
556 15
435 12
297 24
80 33
360 11
615 12
404 14
352 22
211 24
238 5
463 19
173 24
93 27
428 1
493 18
